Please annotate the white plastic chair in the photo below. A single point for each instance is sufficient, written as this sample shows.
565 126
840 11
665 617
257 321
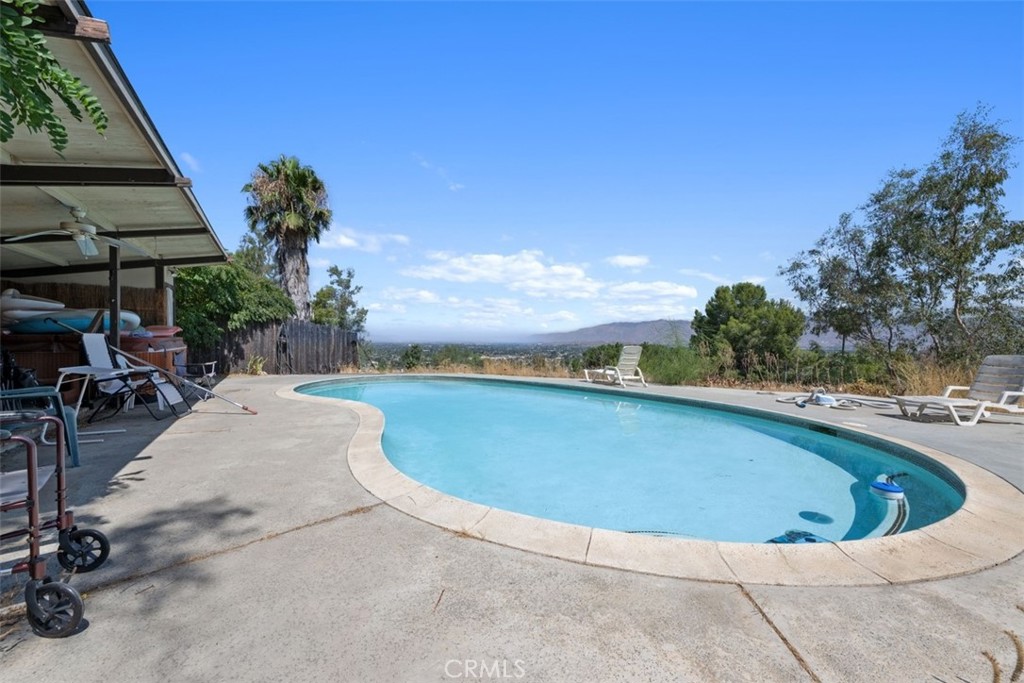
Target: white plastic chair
626 370
999 383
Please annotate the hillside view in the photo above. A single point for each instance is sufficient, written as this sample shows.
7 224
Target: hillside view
667 332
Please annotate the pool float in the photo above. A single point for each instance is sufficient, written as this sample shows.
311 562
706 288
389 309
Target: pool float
887 489
15 300
16 306
57 322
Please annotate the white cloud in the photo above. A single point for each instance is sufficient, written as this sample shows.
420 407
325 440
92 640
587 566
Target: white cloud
646 311
647 300
626 261
378 307
767 256
452 185
559 316
528 272
454 311
711 277
642 291
191 162
721 280
419 296
339 240
350 238
490 312
489 306
319 263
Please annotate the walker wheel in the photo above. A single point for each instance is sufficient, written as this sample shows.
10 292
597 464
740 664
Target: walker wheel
62 609
88 550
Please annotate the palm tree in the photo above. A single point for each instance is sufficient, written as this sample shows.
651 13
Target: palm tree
288 205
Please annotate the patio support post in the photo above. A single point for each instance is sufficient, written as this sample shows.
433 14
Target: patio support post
114 333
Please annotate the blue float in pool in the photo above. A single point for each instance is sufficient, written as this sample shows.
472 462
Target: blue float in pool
887 489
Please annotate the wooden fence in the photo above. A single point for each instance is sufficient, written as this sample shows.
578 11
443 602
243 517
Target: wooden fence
290 347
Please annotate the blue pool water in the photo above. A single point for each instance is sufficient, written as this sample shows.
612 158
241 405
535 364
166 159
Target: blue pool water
643 465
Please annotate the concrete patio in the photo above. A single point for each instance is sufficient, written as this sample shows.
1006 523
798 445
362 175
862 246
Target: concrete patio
244 549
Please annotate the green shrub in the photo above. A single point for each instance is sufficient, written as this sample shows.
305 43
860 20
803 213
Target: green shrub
213 300
602 355
673 364
452 355
254 366
412 357
660 364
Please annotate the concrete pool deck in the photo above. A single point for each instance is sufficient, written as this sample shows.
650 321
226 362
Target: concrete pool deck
244 549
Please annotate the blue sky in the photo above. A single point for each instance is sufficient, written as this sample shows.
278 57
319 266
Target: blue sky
499 169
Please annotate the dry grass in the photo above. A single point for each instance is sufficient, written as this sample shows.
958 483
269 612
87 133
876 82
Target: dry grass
857 388
511 369
863 388
913 377
490 367
929 379
539 367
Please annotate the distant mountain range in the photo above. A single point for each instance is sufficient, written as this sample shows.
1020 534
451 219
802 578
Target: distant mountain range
668 332
653 331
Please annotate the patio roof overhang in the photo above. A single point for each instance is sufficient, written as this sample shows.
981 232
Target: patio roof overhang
126 181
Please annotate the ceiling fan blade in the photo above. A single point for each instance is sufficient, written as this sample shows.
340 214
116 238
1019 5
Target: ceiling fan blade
123 245
86 246
37 234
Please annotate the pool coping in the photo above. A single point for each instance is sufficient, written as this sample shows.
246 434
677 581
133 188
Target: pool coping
983 533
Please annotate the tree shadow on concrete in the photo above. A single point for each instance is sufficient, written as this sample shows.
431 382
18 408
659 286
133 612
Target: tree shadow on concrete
152 559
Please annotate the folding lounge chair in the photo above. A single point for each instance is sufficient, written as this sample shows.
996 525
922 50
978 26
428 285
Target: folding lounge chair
125 380
627 369
198 378
998 384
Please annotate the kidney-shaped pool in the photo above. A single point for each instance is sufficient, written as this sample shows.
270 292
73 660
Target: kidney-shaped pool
651 466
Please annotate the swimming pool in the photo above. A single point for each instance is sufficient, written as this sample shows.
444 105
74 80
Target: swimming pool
647 466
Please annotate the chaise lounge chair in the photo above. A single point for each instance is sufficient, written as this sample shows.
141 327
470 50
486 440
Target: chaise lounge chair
998 384
627 369
124 380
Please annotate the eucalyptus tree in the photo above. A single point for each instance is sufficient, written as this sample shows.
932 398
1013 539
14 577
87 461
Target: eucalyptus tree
952 242
849 287
288 205
937 264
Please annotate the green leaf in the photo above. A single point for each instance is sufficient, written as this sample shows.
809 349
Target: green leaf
28 70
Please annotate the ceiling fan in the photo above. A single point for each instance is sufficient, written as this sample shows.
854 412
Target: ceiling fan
84 234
